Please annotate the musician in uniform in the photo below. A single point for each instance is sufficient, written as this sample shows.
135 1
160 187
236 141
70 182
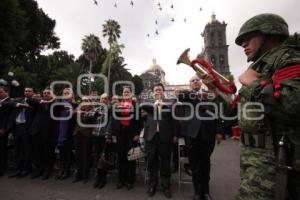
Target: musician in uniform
270 156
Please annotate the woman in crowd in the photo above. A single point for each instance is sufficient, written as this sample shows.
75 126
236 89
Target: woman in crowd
66 125
83 140
102 138
126 127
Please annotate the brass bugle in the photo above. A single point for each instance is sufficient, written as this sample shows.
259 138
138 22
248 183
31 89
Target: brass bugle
184 58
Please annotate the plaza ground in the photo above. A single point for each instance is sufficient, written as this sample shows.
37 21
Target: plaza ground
224 183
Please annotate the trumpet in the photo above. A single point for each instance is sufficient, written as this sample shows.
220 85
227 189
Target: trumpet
203 68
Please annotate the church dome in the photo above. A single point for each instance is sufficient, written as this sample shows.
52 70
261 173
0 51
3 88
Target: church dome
155 67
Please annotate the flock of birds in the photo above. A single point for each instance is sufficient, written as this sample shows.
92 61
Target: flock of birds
159 7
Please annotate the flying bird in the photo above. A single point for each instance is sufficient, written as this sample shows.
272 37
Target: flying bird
156 22
172 6
95 2
172 20
131 3
158 4
200 9
156 32
115 5
148 35
184 20
160 8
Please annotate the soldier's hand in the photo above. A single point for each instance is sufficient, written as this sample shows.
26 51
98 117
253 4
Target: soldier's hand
248 77
208 81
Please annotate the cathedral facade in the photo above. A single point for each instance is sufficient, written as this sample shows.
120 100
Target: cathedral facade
215 51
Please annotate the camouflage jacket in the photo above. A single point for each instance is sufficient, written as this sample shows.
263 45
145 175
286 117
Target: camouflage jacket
283 113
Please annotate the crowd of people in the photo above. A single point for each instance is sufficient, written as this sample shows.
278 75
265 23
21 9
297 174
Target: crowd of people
83 133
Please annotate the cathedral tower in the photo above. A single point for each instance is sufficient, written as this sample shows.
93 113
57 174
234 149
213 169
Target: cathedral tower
215 47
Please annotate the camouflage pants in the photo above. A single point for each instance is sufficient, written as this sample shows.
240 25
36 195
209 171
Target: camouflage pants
257 174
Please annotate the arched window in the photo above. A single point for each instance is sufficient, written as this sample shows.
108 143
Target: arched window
220 38
212 39
222 60
212 59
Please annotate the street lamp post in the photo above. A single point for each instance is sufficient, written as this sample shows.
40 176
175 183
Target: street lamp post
108 73
90 81
9 81
91 56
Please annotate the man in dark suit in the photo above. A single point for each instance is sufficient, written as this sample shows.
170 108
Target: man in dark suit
199 133
5 126
160 133
43 135
22 118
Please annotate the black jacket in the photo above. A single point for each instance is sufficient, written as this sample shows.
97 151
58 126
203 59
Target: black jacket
199 123
6 111
168 126
43 123
135 122
29 112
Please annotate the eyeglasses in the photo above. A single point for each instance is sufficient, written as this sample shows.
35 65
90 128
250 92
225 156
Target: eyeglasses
46 92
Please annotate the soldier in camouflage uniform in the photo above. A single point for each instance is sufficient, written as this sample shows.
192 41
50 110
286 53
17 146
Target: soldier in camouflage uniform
272 82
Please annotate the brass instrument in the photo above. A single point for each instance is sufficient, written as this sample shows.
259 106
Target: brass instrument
226 94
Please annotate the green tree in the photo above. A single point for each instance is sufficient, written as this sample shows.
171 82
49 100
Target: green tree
47 66
12 31
40 34
25 31
91 47
138 84
112 30
115 61
60 59
24 77
69 73
113 56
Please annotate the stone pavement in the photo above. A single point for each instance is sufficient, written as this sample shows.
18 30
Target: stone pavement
224 183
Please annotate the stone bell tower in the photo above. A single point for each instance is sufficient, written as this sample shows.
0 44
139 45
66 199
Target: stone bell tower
215 47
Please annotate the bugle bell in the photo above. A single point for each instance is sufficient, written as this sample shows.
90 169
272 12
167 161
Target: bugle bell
203 68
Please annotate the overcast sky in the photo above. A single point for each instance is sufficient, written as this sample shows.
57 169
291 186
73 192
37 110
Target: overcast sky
77 18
